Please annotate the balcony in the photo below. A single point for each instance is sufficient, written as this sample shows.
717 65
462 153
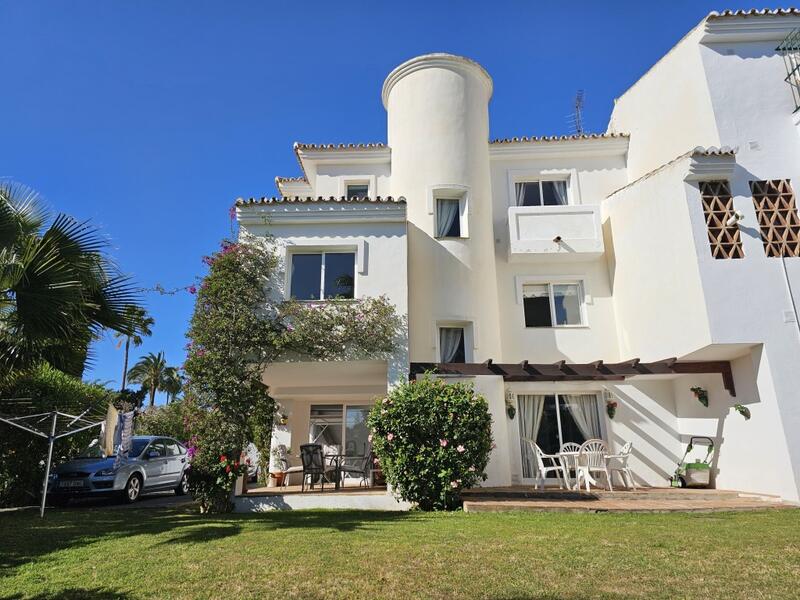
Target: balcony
539 233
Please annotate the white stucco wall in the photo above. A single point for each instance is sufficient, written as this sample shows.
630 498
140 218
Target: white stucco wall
668 110
437 108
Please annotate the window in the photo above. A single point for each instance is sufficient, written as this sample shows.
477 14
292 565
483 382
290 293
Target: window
541 193
776 210
448 221
157 446
552 304
337 427
553 420
725 240
323 276
173 449
451 345
357 190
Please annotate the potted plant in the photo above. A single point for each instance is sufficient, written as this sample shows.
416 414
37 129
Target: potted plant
279 463
611 408
701 395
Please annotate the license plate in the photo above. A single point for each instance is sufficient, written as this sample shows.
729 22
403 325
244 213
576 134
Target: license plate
71 484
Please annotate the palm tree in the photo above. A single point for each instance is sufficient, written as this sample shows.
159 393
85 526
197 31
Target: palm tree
150 372
58 289
173 383
140 323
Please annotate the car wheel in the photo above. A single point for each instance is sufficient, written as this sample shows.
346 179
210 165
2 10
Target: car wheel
183 486
132 489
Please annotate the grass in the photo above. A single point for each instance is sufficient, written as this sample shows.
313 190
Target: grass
106 553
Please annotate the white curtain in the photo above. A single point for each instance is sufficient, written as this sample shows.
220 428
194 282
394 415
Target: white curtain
583 408
531 409
449 340
446 214
560 189
520 194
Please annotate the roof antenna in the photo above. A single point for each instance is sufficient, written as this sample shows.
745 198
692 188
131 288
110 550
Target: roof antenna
576 118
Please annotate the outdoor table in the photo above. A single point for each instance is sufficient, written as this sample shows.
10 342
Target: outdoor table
565 458
336 460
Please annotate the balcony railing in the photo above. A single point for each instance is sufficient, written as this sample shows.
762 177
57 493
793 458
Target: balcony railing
554 232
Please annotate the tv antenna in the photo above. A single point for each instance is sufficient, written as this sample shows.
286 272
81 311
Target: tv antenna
576 119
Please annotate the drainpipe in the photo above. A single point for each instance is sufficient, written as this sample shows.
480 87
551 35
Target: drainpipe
791 295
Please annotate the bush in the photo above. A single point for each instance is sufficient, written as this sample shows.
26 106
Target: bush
23 455
175 419
214 451
433 440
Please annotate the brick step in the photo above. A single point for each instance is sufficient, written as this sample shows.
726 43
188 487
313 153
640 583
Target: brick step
612 506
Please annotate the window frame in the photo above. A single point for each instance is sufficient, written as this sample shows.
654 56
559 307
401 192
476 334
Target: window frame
540 181
459 219
569 176
322 253
551 283
347 185
470 337
446 191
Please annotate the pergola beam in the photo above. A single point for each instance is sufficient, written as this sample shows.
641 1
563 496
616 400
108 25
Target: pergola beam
594 371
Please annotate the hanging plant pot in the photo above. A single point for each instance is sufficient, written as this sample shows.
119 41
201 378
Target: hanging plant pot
742 410
511 411
611 409
701 395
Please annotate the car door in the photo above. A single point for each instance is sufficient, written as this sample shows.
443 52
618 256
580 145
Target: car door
154 463
174 463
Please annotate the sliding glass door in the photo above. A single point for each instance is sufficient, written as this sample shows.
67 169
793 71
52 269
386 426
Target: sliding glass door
340 429
553 420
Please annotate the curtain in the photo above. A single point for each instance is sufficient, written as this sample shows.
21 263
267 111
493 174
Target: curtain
449 340
560 189
520 194
583 408
446 214
531 409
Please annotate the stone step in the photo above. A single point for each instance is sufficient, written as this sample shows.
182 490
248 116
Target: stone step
523 493
612 506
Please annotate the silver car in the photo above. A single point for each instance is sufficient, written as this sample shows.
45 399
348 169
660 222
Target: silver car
154 464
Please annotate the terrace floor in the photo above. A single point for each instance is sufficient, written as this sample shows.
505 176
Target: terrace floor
525 498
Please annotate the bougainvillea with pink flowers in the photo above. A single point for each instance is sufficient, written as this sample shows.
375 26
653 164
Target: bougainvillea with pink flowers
432 440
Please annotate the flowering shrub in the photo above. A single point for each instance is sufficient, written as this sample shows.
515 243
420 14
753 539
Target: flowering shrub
432 440
341 329
214 451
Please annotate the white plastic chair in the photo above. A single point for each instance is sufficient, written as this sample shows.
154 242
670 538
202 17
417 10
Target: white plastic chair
570 451
592 459
543 469
619 463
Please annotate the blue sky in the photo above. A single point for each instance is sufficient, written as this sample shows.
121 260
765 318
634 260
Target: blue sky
151 117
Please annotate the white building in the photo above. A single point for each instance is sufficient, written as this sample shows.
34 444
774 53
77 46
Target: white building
576 254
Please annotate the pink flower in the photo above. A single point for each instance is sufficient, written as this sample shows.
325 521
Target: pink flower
454 484
290 328
390 436
494 445
369 437
201 352
191 289
471 469
443 443
460 448
232 212
375 461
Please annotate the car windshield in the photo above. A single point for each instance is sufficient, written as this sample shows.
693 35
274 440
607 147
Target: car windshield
95 449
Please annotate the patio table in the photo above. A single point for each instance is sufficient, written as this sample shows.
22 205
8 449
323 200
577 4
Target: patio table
336 460
565 459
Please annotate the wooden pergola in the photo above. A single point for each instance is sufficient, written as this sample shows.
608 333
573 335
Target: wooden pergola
593 371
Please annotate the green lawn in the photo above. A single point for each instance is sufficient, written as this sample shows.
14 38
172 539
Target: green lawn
173 553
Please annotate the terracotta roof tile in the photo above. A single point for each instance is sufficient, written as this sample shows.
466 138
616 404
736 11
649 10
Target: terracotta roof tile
754 12
369 146
559 138
302 199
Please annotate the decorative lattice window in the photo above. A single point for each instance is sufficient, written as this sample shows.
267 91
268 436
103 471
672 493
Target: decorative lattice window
725 240
777 217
